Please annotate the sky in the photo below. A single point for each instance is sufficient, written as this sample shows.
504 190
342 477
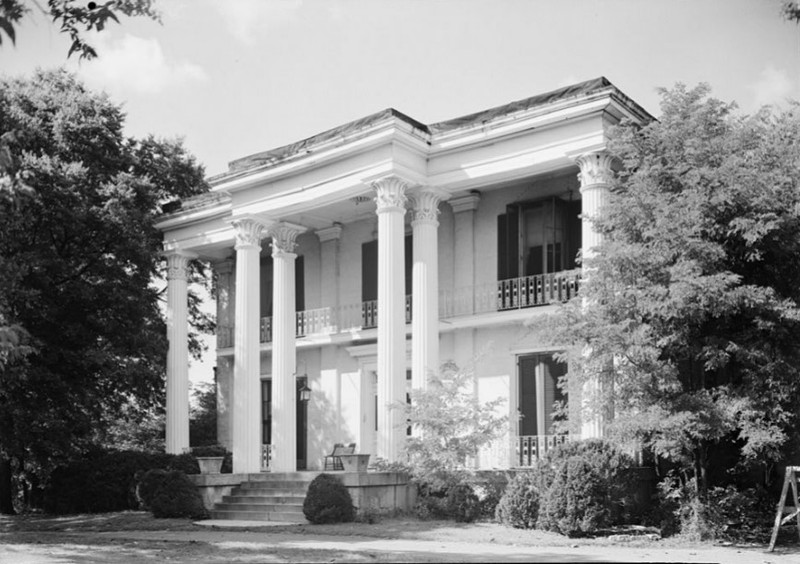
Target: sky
236 77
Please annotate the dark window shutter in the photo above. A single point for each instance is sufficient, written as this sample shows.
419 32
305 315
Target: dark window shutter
553 370
409 256
527 394
502 255
299 284
512 241
369 271
266 286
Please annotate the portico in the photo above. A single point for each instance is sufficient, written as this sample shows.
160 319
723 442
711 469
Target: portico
300 237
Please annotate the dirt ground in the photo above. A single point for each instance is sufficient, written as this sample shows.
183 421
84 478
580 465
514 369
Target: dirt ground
137 537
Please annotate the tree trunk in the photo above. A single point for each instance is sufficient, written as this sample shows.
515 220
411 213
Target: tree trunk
6 491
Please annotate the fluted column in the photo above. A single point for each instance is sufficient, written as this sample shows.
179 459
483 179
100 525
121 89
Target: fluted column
247 366
177 436
595 177
391 200
425 286
226 298
284 389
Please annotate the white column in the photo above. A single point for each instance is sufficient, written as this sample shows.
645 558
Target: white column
177 439
247 362
284 388
595 177
425 287
224 370
391 316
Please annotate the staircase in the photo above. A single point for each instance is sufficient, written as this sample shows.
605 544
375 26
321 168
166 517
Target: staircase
267 497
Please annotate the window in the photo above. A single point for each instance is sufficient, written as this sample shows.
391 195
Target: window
538 392
538 237
267 279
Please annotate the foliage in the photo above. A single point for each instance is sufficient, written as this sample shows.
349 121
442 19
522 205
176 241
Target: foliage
448 427
106 481
209 450
83 335
463 504
790 10
574 489
328 501
519 505
75 18
489 486
203 416
172 494
690 316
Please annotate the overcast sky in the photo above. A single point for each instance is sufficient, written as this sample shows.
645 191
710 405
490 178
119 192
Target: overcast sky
236 77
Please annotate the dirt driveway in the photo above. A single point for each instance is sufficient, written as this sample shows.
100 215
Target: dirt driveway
135 537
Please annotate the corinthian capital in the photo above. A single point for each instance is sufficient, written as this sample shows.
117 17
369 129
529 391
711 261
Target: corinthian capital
595 168
248 232
426 205
178 264
390 193
284 238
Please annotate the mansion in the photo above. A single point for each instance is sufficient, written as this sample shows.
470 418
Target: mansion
353 263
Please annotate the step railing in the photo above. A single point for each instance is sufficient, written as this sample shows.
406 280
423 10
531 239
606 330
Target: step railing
266 457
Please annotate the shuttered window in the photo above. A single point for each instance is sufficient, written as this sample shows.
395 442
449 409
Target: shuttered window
539 376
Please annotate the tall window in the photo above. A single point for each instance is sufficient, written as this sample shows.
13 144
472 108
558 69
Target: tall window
538 392
369 268
267 278
538 237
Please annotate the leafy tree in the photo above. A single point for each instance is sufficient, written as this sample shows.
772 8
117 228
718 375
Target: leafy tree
84 338
75 18
448 427
689 317
203 416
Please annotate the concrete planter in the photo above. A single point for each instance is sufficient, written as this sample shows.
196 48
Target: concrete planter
355 462
210 464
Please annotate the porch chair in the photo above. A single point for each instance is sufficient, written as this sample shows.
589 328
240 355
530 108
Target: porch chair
332 460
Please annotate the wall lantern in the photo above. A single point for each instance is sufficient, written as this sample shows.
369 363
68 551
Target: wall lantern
305 393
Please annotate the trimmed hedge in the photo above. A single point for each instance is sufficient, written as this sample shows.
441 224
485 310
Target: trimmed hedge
575 489
328 501
106 480
171 494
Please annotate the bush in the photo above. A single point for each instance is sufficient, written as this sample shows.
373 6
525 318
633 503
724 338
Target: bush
489 486
462 504
106 480
148 484
328 501
576 488
172 494
519 505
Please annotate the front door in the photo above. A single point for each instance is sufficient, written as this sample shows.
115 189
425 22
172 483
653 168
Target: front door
538 392
302 420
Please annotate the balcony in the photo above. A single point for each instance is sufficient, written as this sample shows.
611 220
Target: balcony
530 448
504 295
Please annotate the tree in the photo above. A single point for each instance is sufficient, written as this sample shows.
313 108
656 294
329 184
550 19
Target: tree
689 315
79 269
448 427
75 18
203 416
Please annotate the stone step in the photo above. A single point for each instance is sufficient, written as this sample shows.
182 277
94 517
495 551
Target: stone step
248 498
277 484
240 515
281 476
260 506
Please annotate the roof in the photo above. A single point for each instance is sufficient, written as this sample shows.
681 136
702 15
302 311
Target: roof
346 133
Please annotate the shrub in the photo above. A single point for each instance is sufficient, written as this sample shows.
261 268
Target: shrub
519 505
328 501
588 484
106 480
462 504
172 494
209 450
489 486
148 484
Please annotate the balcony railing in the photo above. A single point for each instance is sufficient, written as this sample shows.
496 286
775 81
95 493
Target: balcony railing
530 448
514 293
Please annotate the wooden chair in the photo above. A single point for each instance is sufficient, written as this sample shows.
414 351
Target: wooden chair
332 461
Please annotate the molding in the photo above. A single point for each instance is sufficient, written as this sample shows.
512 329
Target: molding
284 238
596 168
178 264
330 233
248 231
426 204
468 202
390 193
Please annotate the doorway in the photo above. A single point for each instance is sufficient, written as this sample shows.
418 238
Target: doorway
538 392
301 443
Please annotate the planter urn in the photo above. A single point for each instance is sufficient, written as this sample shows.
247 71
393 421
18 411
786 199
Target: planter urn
210 464
355 462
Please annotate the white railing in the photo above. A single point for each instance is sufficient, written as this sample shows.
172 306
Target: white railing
513 293
531 448
266 457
